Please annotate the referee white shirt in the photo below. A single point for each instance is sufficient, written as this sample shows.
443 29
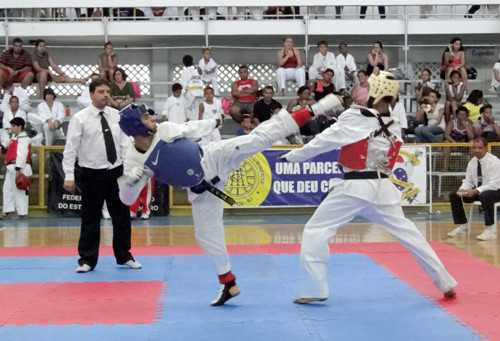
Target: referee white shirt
85 140
490 170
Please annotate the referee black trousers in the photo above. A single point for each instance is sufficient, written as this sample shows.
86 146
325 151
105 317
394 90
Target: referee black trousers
99 185
487 199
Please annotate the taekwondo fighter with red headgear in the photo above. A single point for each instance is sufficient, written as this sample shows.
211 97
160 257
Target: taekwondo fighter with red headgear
369 140
169 153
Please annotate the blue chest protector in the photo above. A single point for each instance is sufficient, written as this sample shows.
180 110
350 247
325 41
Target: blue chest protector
177 163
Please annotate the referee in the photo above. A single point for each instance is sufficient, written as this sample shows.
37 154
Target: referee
95 137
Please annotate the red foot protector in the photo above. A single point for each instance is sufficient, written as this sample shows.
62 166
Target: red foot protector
86 303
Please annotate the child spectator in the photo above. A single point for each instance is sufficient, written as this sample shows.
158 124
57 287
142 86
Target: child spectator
456 94
486 126
21 94
174 109
144 198
107 62
246 125
208 109
15 201
459 129
207 68
423 86
193 86
474 104
9 112
453 59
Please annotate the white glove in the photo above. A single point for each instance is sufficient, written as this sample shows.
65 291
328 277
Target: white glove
134 175
219 119
330 102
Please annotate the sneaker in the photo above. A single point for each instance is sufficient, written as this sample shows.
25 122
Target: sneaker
145 216
489 233
459 231
133 215
83 268
133 264
308 300
226 292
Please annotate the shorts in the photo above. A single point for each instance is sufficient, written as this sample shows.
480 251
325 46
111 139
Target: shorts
16 79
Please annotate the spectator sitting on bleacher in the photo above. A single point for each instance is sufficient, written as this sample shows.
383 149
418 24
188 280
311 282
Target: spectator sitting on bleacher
10 111
381 12
456 94
84 100
289 66
193 87
431 116
323 87
207 68
174 109
51 115
244 90
107 62
474 104
486 126
10 90
423 85
453 59
495 81
460 128
304 100
377 59
265 107
41 63
359 93
247 125
322 61
16 64
346 66
122 92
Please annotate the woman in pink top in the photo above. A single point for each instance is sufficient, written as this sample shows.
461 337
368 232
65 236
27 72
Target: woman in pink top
359 93
289 65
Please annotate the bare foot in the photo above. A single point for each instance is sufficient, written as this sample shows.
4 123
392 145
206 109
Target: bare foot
450 293
307 300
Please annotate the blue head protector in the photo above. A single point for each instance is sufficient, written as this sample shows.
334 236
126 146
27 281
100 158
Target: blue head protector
131 121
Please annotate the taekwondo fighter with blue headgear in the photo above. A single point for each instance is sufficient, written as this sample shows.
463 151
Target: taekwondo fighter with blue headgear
169 152
369 140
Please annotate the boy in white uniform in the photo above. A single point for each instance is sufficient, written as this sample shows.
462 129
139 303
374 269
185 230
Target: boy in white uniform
193 86
168 152
207 68
370 140
174 109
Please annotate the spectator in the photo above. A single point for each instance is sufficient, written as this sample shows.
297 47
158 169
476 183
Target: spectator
453 59
247 125
95 138
143 199
346 67
41 63
473 9
52 115
482 182
122 92
207 111
362 13
377 59
397 110
459 129
265 107
16 63
10 111
474 104
84 99
456 94
321 61
289 66
495 81
431 115
256 13
22 95
244 90
15 200
107 62
207 68
324 86
174 109
486 126
193 87
423 86
360 91
304 100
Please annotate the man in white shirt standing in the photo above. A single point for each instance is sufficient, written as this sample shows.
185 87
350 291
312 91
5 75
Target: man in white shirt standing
482 182
95 137
346 66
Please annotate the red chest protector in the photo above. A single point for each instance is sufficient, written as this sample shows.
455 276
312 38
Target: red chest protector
12 152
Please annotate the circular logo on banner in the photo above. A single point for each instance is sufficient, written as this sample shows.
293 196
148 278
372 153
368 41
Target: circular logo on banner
250 184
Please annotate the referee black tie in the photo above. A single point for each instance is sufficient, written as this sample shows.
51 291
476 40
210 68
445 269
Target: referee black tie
108 139
479 174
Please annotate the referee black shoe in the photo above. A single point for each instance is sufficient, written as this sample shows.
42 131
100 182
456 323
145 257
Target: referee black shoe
226 292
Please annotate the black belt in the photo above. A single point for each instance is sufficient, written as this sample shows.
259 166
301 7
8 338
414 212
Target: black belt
365 175
207 186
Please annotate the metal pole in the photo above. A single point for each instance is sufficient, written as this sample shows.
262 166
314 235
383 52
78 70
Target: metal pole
206 28
306 33
6 28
